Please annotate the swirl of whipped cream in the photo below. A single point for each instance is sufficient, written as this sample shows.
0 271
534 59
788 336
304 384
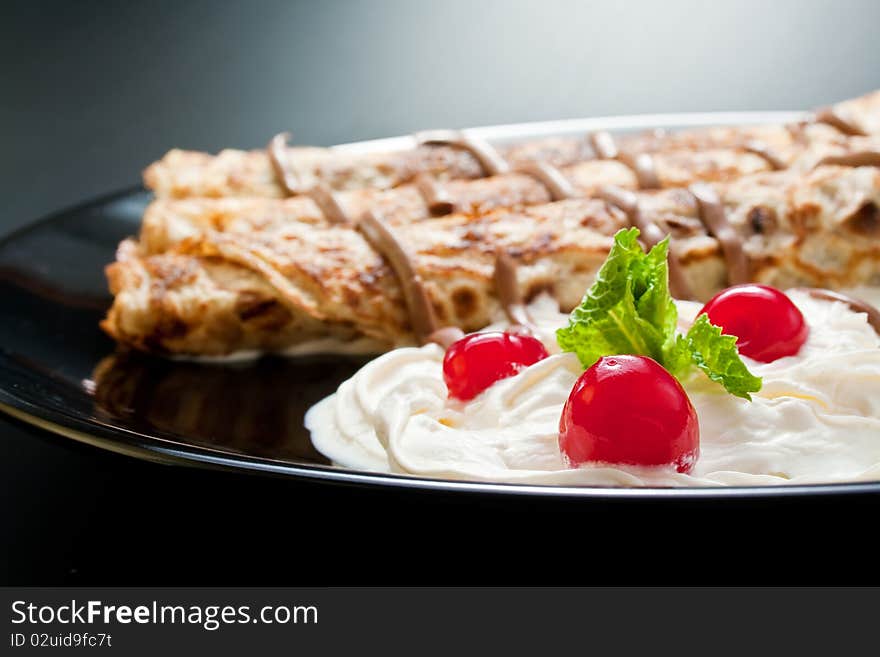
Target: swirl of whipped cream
817 418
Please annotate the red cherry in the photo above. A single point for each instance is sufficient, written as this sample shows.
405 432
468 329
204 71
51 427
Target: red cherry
765 321
478 360
628 409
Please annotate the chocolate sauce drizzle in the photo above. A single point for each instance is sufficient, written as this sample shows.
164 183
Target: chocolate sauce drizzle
642 164
421 311
651 233
797 131
833 118
439 203
436 197
551 177
856 305
326 200
277 151
714 218
604 145
855 159
382 238
762 150
489 158
507 288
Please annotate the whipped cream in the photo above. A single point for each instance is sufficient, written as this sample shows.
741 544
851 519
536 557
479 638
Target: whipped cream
816 419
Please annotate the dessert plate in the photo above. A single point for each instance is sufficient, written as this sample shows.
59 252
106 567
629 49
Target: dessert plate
58 371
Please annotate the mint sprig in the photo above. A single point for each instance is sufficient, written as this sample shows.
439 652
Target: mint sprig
629 310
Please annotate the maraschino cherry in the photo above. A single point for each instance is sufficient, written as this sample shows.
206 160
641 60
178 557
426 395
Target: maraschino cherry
478 360
629 409
764 320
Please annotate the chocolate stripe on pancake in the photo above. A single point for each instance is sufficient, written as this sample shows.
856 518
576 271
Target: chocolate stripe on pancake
761 149
641 164
421 311
551 177
326 200
507 288
856 305
436 197
382 238
603 144
277 152
488 157
857 159
798 132
650 233
714 218
833 118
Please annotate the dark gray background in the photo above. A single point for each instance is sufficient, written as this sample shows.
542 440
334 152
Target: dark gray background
91 92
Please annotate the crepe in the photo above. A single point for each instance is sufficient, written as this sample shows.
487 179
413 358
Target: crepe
256 173
169 220
247 285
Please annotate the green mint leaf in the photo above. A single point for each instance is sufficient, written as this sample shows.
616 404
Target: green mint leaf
629 310
678 356
716 354
655 304
612 279
622 313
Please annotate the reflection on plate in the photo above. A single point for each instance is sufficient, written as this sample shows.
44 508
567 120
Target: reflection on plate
250 408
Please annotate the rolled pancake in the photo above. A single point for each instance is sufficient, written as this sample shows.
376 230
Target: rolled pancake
182 174
271 287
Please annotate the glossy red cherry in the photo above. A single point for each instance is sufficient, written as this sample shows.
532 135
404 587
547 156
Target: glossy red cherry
628 409
765 321
478 360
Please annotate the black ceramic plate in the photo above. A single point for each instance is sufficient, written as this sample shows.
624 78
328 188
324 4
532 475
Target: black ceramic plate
60 372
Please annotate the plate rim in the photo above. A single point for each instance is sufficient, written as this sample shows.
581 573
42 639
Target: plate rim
152 448
124 441
559 127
